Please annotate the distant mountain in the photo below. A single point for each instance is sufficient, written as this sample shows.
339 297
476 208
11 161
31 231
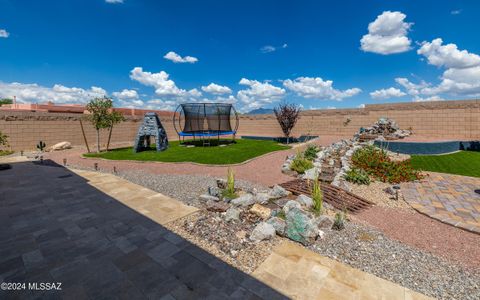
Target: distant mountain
261 111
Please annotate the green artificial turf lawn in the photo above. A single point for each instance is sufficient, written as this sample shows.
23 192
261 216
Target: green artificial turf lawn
461 163
237 152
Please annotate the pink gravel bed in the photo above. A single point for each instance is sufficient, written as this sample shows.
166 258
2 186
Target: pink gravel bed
422 232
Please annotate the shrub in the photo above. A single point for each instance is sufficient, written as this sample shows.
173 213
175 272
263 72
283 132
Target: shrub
287 116
300 164
310 152
3 139
376 162
339 221
317 196
358 176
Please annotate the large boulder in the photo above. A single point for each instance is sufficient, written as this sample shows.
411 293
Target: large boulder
324 222
311 174
263 231
278 224
60 146
244 200
278 192
262 198
300 227
290 205
261 211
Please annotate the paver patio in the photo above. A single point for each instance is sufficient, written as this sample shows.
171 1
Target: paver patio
56 227
448 198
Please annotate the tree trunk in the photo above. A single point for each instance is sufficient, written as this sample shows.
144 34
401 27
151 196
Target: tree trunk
98 140
84 136
109 136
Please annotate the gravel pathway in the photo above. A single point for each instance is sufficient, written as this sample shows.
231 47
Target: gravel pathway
371 251
185 188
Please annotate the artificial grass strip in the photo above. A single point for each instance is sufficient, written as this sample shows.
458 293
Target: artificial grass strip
465 163
237 152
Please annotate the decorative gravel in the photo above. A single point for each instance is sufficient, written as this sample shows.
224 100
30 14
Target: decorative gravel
374 192
185 188
369 250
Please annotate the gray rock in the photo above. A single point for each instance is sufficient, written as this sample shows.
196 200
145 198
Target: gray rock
390 190
214 191
290 205
263 231
206 197
217 206
278 192
281 202
278 224
262 198
232 214
244 200
311 174
221 183
305 200
300 227
324 222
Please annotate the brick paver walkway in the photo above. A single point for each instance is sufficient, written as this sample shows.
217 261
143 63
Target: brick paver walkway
448 198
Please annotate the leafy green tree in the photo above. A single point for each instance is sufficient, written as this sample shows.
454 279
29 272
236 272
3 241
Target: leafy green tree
5 101
102 115
3 139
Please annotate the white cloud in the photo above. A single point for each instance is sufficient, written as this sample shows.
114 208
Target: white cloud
387 34
317 88
216 89
4 33
178 59
270 48
456 12
361 105
258 94
126 94
387 93
162 84
413 89
426 99
114 1
447 56
34 93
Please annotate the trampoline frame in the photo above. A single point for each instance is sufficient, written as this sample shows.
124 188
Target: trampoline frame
201 116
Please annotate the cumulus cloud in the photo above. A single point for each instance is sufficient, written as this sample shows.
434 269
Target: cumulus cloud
179 59
258 94
447 56
34 93
456 12
162 84
126 94
114 1
216 89
387 34
387 93
4 33
317 88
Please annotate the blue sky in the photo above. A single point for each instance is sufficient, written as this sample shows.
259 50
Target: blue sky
320 54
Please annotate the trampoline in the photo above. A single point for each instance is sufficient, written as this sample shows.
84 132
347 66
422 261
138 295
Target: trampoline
205 121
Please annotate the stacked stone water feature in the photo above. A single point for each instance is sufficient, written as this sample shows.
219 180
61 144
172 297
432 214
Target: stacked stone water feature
333 162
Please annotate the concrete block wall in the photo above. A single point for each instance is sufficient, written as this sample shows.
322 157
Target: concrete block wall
440 120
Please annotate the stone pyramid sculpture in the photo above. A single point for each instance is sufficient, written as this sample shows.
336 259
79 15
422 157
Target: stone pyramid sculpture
151 127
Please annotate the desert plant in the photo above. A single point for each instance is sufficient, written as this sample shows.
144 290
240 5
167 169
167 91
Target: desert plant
41 145
310 152
339 221
229 191
300 164
317 196
287 116
376 163
102 116
358 176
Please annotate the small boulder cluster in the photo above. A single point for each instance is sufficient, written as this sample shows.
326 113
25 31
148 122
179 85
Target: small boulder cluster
383 129
276 212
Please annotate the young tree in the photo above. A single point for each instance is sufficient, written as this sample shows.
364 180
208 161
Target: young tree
102 116
3 139
287 116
